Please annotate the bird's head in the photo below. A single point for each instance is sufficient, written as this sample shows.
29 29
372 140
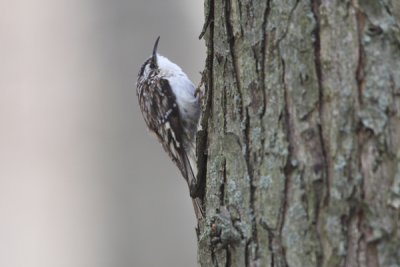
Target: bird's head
151 64
157 64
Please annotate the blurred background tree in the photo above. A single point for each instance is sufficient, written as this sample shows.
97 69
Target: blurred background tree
82 183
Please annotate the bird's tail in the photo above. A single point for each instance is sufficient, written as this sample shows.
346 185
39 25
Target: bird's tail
198 208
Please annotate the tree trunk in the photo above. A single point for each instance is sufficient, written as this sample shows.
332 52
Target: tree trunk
302 125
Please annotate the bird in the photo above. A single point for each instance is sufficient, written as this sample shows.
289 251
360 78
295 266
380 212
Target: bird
171 110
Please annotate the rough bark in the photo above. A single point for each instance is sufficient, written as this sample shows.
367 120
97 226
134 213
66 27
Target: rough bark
302 129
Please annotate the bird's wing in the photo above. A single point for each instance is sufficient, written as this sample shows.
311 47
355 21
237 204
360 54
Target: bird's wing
161 113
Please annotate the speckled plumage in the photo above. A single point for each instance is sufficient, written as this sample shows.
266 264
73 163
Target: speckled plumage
171 111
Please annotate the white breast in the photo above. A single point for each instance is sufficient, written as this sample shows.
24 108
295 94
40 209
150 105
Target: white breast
182 87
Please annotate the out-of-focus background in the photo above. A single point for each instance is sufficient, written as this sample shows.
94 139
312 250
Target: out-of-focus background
82 182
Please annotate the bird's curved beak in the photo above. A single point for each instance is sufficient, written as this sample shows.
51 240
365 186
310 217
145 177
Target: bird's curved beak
154 57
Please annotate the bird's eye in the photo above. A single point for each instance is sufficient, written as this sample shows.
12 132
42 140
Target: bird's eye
152 66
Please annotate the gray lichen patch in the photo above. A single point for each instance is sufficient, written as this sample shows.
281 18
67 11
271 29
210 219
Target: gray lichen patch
374 119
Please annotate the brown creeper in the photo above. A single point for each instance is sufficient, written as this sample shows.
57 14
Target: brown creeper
171 111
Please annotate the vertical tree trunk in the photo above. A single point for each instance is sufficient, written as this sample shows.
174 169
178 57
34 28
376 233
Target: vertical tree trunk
303 133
